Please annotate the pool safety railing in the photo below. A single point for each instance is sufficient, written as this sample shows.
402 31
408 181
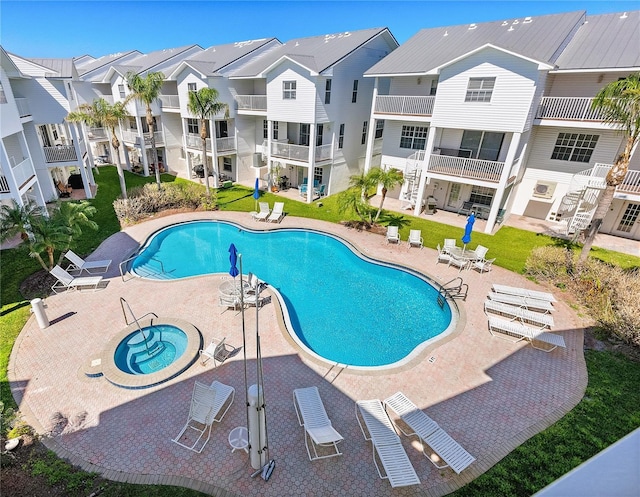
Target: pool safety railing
124 303
455 289
148 269
334 371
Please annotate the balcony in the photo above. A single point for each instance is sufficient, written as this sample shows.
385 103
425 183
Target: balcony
132 137
568 109
60 153
170 101
226 144
630 184
301 152
404 105
98 134
194 141
462 167
252 103
23 107
24 171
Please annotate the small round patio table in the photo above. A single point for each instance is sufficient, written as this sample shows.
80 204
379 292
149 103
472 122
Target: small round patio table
239 439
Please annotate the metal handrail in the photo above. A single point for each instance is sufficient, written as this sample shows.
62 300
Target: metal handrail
123 302
126 261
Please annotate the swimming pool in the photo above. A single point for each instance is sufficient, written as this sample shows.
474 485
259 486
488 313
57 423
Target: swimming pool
341 306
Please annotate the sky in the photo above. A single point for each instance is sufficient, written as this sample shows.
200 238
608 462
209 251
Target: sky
73 28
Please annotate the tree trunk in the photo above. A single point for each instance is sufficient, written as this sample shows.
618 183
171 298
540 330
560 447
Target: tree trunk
154 157
116 146
601 211
205 164
384 194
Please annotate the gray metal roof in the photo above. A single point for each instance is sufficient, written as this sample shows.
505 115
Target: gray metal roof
146 62
214 58
604 41
63 67
317 53
538 38
86 66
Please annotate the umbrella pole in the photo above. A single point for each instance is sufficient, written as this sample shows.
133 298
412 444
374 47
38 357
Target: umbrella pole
244 350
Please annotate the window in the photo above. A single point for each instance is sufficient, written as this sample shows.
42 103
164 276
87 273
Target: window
574 147
480 89
289 90
265 129
354 95
434 87
3 97
305 130
414 137
319 131
327 92
482 195
192 126
226 164
192 87
379 128
484 145
274 135
54 132
341 136
222 129
121 91
364 132
317 175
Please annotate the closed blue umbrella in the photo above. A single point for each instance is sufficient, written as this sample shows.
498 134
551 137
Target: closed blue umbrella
256 192
233 259
468 229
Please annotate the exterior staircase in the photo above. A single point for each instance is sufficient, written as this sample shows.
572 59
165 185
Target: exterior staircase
409 194
581 199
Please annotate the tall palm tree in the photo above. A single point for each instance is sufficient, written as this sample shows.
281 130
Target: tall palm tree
204 104
147 89
619 103
388 178
17 219
363 182
102 113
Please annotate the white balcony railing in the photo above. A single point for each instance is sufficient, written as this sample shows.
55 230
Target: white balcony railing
252 102
462 167
405 105
23 172
170 101
194 141
323 152
132 136
23 107
568 109
631 183
98 134
290 151
61 153
225 144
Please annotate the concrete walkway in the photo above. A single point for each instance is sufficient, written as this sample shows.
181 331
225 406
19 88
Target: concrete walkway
489 394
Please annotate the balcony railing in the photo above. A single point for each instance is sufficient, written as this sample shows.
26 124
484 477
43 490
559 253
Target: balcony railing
225 144
596 178
194 141
568 109
170 101
23 107
404 105
62 153
462 167
23 172
324 152
301 152
252 102
98 134
132 136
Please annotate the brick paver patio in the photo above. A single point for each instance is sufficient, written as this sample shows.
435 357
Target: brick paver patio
489 394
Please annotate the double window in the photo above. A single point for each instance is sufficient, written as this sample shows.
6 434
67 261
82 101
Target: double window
354 94
482 195
121 91
226 164
192 87
341 136
327 92
379 129
574 147
484 145
319 132
274 133
289 90
364 133
192 126
414 137
265 129
480 89
305 131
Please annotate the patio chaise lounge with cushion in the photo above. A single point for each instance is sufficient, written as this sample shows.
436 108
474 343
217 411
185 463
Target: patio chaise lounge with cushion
500 327
79 264
65 281
525 302
429 433
523 292
317 425
518 313
206 407
277 213
386 444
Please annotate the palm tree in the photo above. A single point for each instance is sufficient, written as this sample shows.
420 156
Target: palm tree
48 237
363 182
146 90
72 217
351 200
619 103
17 219
204 104
102 113
388 178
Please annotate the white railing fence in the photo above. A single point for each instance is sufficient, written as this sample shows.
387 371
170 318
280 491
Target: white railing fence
252 102
23 107
485 170
405 105
170 101
568 108
60 153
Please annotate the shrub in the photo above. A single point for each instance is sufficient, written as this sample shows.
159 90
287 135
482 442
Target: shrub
147 200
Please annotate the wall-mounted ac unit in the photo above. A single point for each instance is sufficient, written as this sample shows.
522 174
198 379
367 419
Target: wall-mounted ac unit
544 189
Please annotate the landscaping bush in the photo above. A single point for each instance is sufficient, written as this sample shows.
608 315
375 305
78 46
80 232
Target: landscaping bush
147 200
609 292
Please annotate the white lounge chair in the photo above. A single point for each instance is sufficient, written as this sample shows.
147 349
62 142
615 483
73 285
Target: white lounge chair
449 243
264 212
392 234
525 302
206 408
515 312
524 292
218 350
65 281
317 425
521 331
91 267
386 444
277 213
443 256
482 264
415 238
429 433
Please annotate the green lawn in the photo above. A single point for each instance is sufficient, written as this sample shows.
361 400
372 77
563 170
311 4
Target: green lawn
610 409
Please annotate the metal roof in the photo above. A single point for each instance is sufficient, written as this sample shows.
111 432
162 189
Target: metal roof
85 67
214 58
63 67
604 41
317 53
146 62
539 38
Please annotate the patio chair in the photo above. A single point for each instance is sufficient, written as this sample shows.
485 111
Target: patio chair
277 213
525 302
317 425
205 409
79 264
481 251
218 350
514 312
458 262
264 212
466 208
449 243
65 281
429 433
386 444
64 191
320 191
229 302
483 264
523 292
442 255
392 234
520 331
415 238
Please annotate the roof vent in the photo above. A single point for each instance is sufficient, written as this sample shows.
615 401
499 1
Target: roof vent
527 20
504 23
297 44
510 28
624 16
515 22
446 33
472 26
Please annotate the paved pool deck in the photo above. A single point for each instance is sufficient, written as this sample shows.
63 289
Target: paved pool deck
489 394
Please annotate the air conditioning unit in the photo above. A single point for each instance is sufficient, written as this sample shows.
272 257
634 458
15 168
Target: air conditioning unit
544 189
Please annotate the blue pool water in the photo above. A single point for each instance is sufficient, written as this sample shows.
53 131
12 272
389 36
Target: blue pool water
344 308
163 345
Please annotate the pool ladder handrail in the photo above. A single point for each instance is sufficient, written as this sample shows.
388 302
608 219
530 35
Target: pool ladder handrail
126 262
123 302
455 288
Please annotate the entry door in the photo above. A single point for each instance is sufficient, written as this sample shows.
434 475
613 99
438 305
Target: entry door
44 133
628 224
